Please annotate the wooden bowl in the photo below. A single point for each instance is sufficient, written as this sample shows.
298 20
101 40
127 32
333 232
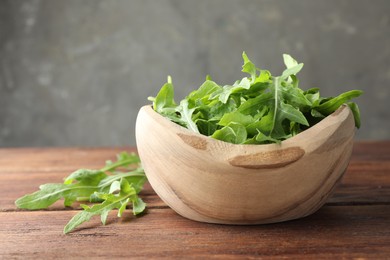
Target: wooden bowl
208 180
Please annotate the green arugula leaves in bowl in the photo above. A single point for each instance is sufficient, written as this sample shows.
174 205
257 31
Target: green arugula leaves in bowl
256 109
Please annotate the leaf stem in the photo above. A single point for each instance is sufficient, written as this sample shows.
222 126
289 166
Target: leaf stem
276 94
110 179
119 164
82 199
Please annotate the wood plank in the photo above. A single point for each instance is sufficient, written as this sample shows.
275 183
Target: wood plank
360 195
355 223
367 180
366 155
363 195
22 170
56 159
371 151
334 231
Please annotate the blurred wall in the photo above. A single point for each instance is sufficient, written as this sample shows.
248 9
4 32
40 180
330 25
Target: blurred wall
76 72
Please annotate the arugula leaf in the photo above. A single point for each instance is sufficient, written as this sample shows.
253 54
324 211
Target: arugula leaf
356 113
235 117
233 133
138 206
262 138
206 127
115 186
332 104
313 95
165 97
249 67
289 61
186 115
293 67
110 201
85 176
257 109
282 111
295 97
264 125
224 93
124 159
254 105
218 109
48 194
202 94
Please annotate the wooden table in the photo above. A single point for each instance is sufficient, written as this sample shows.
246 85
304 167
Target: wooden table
355 223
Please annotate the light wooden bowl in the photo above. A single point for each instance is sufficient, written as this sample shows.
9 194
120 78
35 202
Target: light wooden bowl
207 180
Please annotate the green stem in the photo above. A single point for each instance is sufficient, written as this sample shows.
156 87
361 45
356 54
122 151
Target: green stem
119 164
82 199
108 180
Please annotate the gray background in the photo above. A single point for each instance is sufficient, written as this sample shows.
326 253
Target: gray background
76 72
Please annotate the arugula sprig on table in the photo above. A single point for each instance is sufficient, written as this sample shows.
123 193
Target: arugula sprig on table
257 109
115 186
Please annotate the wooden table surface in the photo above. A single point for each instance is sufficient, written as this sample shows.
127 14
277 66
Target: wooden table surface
355 222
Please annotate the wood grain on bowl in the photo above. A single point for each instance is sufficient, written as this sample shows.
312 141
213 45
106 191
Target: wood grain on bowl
271 159
213 181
